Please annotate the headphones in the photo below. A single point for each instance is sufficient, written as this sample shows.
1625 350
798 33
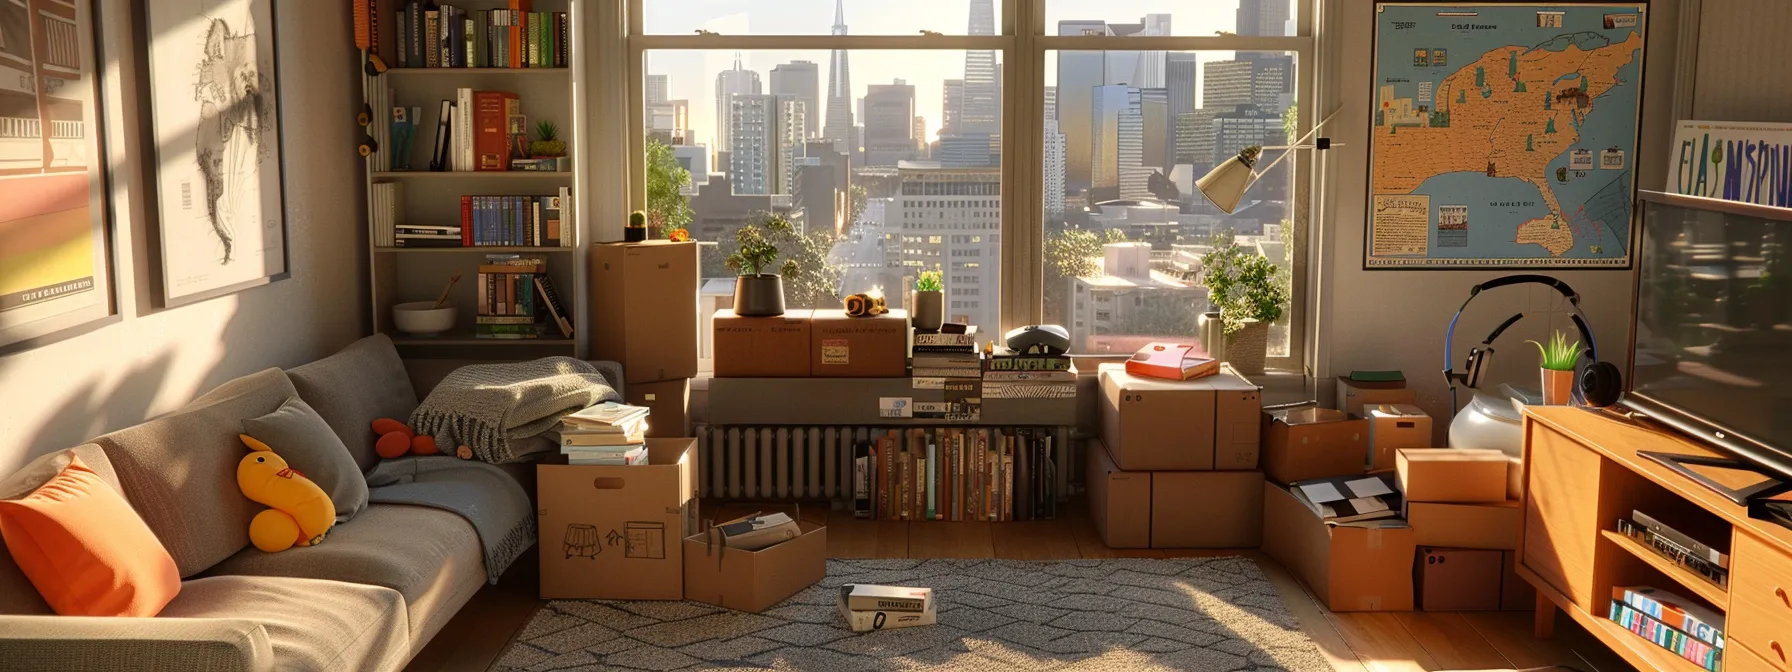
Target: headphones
1597 384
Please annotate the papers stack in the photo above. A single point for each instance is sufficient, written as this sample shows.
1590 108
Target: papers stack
1349 499
609 434
867 607
757 532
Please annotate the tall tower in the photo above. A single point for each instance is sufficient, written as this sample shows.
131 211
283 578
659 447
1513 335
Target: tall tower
800 79
839 123
981 109
1262 18
730 83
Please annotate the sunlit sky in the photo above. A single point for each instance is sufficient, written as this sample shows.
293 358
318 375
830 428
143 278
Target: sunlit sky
692 73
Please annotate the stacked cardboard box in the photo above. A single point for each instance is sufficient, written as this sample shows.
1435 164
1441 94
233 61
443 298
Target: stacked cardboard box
613 532
644 314
1307 443
1465 527
803 343
1364 566
1458 579
1177 463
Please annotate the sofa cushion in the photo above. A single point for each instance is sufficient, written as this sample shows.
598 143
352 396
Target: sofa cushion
302 438
17 595
85 550
429 556
179 470
364 382
312 624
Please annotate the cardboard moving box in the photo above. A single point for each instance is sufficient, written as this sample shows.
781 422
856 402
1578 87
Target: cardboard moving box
669 404
1152 424
613 532
644 308
1392 427
858 347
1483 526
754 580
1173 509
1353 567
1455 579
1353 395
1119 501
1307 443
1459 475
762 347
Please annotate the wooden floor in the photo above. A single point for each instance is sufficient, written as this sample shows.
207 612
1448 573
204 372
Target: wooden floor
1377 642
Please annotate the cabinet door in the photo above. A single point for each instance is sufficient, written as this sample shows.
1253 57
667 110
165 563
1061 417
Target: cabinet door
1761 600
1561 508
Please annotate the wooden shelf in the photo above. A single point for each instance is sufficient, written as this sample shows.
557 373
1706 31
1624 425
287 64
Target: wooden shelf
472 174
467 339
1711 592
1640 652
488 249
478 71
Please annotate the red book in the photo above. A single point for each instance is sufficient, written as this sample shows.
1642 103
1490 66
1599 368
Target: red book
491 137
466 220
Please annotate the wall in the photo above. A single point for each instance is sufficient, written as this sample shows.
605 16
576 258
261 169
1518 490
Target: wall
1739 43
152 361
1396 319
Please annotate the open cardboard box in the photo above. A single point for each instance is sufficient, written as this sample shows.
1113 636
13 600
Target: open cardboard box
613 532
753 580
1350 567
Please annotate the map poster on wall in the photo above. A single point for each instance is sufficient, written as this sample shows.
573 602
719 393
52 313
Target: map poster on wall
1747 162
222 221
1504 135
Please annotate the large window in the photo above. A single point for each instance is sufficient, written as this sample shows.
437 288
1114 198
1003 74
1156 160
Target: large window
877 129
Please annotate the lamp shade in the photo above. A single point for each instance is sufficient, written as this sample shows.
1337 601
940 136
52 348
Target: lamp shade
1225 185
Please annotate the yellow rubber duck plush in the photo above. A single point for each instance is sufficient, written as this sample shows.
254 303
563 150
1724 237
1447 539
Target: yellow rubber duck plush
301 513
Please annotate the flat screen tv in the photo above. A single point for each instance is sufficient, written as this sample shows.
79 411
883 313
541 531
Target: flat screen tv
1712 350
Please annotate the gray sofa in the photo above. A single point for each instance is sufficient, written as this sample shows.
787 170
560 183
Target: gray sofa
369 598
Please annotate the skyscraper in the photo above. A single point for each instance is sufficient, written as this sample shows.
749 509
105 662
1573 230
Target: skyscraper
919 131
657 88
1148 71
981 111
1159 136
1054 168
803 80
889 123
766 138
739 80
1051 102
951 106
1179 78
1262 18
1109 107
839 124
1079 72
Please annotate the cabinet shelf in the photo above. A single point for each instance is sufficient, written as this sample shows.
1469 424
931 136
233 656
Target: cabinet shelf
543 175
459 339
487 249
1699 585
1640 652
478 71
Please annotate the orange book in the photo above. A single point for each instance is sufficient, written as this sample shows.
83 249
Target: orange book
519 9
1172 361
491 135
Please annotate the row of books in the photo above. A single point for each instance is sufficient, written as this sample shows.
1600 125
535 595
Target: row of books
481 131
445 36
387 198
609 434
958 474
948 360
1671 622
515 295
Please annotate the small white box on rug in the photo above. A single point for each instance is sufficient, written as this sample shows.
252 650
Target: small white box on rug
900 615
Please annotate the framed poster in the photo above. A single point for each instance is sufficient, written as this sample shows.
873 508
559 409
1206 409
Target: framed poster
1504 135
215 104
54 258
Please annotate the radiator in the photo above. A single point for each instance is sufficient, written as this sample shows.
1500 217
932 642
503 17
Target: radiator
783 462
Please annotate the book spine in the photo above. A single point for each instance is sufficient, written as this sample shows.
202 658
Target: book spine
1671 615
469 30
929 465
431 56
1027 364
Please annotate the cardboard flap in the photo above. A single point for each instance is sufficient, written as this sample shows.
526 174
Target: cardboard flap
1308 416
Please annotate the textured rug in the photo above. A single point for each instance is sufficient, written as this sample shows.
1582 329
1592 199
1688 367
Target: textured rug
1124 614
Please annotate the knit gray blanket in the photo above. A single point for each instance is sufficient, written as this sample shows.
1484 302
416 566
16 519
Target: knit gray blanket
502 411
481 493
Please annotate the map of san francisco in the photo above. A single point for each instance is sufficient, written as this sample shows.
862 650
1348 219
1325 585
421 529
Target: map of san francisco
1504 135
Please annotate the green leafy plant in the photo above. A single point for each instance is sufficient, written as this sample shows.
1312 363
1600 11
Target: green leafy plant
756 252
1559 355
547 141
929 281
637 219
668 208
1243 286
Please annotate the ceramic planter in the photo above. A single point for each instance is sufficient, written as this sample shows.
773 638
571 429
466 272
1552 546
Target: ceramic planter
760 295
930 310
1558 387
1245 348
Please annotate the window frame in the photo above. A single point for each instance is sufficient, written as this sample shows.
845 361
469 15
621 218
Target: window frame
1024 42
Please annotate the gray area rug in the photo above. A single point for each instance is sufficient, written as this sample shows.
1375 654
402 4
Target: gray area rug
1123 614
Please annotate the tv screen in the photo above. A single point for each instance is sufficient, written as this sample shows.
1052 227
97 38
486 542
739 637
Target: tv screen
1713 340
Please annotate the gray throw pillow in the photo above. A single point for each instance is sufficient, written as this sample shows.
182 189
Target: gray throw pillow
301 437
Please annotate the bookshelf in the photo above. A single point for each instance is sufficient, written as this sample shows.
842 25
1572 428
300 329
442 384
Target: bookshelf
430 198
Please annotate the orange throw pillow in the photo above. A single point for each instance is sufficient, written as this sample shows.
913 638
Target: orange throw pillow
84 548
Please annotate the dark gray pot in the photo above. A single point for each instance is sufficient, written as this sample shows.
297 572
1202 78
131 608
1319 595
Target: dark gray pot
930 310
759 295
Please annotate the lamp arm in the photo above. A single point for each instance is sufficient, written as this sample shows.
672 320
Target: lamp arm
1297 143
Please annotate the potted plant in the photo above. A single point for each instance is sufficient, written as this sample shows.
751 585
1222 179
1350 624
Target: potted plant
636 231
548 145
1244 287
757 291
1559 358
928 302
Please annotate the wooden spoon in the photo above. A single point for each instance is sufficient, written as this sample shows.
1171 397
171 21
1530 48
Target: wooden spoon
444 297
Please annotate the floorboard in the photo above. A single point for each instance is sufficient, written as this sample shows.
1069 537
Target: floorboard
1382 643
1451 641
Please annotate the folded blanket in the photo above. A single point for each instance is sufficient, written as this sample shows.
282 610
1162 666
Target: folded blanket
501 411
495 504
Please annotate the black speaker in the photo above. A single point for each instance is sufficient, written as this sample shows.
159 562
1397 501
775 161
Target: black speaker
1601 384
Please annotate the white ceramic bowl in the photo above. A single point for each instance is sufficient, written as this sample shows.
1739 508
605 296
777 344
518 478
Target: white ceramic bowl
421 318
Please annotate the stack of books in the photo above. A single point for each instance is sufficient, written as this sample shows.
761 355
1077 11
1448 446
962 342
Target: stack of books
1011 375
957 474
1671 622
513 295
1350 499
609 434
866 607
423 235
521 221
950 362
1678 547
446 36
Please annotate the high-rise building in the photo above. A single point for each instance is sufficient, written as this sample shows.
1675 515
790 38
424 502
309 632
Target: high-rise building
1051 102
951 106
949 220
821 189
1117 152
695 159
669 122
1227 84
1180 79
1148 71
1079 72
803 80
1194 139
766 139
1054 169
1262 18
1159 130
981 111
657 89
967 150
919 130
889 123
731 82
840 123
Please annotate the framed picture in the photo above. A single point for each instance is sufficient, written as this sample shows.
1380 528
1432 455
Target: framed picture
55 260
215 104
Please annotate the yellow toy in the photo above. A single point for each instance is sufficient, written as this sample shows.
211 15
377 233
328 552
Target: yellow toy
300 514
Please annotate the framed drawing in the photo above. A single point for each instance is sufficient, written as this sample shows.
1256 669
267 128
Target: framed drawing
55 260
215 104
1504 135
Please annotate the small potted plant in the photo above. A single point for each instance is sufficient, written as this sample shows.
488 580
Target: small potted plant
636 231
1559 358
928 302
758 291
548 145
1244 288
